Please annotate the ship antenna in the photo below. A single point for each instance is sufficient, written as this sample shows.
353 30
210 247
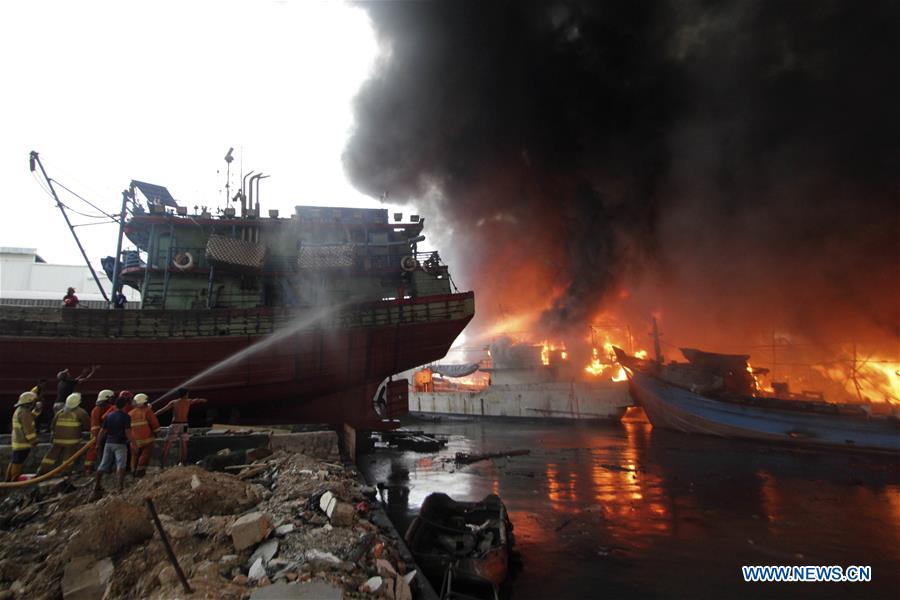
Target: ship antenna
228 159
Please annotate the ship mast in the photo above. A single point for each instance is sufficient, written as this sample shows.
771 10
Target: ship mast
656 347
34 158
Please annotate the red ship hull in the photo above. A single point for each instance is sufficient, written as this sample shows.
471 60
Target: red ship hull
325 374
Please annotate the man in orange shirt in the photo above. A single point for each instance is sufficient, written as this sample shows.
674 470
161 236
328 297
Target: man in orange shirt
178 430
97 413
144 426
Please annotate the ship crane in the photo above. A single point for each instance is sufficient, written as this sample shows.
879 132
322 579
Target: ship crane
34 159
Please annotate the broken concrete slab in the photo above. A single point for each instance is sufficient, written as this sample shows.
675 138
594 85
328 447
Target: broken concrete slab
84 579
327 502
266 551
309 590
402 591
342 515
257 570
315 555
250 529
283 530
322 445
372 585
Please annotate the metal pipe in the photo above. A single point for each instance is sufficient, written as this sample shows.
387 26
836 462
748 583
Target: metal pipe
243 192
261 176
118 261
168 546
34 158
250 187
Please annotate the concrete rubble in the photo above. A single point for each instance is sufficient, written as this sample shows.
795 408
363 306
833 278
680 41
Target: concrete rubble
296 527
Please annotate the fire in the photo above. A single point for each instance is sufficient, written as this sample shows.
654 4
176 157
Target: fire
548 347
595 368
755 378
641 354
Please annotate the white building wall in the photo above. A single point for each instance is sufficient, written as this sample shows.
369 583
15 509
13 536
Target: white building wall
22 277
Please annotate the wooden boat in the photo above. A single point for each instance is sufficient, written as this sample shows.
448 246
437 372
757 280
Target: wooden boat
463 542
706 396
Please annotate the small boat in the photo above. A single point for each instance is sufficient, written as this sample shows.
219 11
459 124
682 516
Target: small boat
465 545
712 394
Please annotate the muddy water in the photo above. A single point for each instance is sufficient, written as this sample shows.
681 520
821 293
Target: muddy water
627 511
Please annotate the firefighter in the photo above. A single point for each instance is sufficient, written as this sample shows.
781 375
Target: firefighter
67 426
144 426
97 414
24 434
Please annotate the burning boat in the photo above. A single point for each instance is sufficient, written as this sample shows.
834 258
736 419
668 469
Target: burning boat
524 380
298 319
717 394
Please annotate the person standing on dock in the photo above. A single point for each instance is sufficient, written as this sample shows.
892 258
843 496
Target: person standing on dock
97 413
115 432
178 430
144 426
66 427
70 300
24 434
119 300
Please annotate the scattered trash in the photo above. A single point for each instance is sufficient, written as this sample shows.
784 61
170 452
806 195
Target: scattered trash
417 441
221 531
372 585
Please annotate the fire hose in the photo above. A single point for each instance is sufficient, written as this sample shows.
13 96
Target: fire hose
6 485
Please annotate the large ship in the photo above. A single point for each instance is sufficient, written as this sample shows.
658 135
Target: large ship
272 319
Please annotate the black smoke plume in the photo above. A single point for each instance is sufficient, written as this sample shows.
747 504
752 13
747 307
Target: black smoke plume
720 163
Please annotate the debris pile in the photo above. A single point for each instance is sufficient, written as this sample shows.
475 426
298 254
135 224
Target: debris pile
283 526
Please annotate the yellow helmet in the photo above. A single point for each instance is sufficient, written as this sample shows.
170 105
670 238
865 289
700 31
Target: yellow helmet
73 401
140 399
26 398
105 396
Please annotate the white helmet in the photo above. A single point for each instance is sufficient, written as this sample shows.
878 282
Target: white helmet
105 396
26 398
140 399
73 401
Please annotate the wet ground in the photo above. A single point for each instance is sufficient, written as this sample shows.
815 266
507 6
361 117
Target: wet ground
622 510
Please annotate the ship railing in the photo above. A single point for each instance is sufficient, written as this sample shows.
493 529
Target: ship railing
97 323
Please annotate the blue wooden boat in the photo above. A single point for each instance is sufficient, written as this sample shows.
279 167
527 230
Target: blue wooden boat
716 410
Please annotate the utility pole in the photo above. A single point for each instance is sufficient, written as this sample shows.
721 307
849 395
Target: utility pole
35 159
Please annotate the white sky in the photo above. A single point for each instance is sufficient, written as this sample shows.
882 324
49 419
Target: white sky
158 91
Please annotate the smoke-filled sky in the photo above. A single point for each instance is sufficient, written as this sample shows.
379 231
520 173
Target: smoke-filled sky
730 167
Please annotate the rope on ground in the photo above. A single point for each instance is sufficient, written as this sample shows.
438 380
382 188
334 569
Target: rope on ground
6 485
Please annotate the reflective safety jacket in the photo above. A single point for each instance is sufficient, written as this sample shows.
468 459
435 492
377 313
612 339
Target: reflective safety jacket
144 424
68 425
97 414
24 434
